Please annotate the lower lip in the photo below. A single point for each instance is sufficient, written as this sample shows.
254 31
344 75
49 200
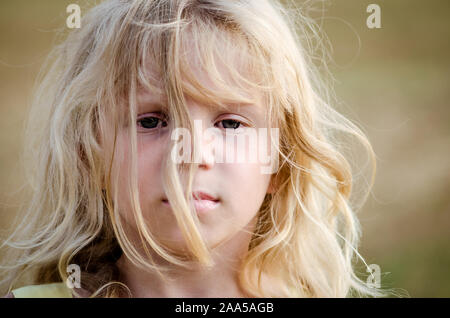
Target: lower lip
201 205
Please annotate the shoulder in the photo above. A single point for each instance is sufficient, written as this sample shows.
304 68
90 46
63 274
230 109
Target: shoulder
53 290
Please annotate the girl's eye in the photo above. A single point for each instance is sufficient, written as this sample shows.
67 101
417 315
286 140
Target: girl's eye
230 123
151 122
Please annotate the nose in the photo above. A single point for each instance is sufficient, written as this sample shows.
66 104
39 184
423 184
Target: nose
206 146
207 160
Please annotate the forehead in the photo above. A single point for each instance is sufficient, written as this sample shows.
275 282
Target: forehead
150 98
211 72
147 100
252 104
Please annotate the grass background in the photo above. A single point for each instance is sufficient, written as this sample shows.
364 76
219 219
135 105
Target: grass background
393 82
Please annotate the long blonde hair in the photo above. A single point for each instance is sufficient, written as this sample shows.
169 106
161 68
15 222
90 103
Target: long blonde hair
307 233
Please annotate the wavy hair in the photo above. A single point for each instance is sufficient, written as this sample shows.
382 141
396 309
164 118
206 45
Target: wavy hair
307 232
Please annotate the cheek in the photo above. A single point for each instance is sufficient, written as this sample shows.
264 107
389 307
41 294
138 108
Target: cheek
150 158
120 174
149 161
149 166
247 186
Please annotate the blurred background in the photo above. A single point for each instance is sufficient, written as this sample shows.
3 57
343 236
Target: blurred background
393 82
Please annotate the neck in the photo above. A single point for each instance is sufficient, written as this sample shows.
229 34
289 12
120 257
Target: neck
219 281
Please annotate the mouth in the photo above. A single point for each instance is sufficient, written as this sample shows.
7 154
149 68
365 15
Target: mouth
202 201
198 195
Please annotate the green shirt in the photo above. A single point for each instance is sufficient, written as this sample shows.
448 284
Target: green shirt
54 290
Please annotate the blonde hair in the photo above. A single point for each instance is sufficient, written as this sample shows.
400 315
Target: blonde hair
307 232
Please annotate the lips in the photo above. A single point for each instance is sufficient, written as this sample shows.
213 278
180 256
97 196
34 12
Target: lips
203 196
202 201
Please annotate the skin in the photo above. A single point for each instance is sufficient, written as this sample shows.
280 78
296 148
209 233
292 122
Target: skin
240 187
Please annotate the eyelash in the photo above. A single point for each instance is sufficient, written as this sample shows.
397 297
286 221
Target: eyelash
232 120
164 121
139 121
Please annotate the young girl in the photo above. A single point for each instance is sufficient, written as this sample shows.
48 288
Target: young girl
112 214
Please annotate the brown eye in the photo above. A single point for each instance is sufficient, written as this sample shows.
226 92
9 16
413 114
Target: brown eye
151 122
230 123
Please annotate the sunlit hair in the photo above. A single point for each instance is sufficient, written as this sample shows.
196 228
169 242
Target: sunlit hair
307 233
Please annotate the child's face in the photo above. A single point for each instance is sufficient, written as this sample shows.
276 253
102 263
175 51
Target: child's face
239 188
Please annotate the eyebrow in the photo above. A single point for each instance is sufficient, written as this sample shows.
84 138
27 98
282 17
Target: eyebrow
146 100
244 105
143 105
